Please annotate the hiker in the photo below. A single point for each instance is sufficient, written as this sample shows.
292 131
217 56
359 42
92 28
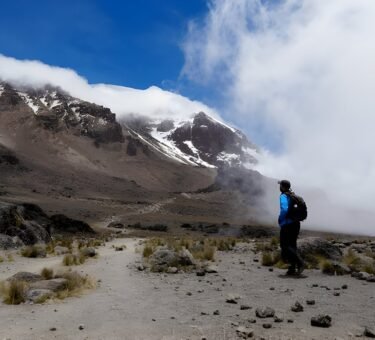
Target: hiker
289 222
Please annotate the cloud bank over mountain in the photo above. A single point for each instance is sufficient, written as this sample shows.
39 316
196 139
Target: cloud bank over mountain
153 102
303 73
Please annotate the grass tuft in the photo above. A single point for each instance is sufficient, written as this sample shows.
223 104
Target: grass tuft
13 292
47 273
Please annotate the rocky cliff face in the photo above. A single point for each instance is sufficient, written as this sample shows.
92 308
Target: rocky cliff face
55 110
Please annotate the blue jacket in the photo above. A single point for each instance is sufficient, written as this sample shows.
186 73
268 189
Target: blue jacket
284 205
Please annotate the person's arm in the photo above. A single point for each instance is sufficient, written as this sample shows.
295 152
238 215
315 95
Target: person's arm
284 205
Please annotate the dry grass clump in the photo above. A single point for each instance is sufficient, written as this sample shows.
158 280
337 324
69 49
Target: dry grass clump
13 292
201 249
33 251
47 273
10 257
1 259
73 259
267 259
327 267
76 283
267 246
148 251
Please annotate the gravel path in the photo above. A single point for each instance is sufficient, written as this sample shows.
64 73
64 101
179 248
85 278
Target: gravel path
129 304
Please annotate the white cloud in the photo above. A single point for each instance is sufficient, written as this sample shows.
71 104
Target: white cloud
303 71
153 102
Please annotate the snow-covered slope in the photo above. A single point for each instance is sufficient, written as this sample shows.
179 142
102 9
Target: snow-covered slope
200 140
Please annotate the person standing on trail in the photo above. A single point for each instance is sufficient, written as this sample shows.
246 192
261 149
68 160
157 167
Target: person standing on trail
292 211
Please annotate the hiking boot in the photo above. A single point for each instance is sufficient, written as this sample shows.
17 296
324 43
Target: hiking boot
300 269
291 271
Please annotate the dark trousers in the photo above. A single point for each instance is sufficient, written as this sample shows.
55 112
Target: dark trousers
288 243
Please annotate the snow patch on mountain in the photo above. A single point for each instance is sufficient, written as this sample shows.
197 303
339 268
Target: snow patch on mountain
29 101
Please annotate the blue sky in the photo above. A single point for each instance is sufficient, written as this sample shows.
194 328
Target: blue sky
130 43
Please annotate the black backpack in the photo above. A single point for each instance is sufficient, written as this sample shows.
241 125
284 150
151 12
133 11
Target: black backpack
297 210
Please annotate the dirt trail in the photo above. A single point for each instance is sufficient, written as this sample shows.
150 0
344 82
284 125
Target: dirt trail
129 304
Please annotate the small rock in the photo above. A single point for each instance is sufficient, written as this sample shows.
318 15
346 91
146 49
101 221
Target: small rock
344 286
321 321
252 320
204 313
89 252
245 332
59 250
272 288
232 298
290 321
211 269
216 312
265 312
267 325
245 307
81 327
189 294
369 332
53 329
336 294
201 272
278 319
172 270
371 278
297 307
310 302
314 285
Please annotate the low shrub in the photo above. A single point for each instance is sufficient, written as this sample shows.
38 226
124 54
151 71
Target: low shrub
76 283
47 273
267 259
73 259
13 292
33 251
327 267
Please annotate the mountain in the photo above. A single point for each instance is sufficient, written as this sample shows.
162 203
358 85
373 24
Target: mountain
76 157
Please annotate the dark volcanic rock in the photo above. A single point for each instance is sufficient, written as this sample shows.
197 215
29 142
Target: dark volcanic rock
26 277
26 221
321 321
8 242
265 312
66 224
317 246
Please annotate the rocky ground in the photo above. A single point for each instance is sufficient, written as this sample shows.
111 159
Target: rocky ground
136 304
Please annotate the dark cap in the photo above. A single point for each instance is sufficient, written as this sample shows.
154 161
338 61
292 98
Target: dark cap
285 184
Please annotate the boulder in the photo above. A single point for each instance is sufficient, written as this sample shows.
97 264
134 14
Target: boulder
9 242
163 258
66 224
26 277
26 221
311 246
36 295
54 285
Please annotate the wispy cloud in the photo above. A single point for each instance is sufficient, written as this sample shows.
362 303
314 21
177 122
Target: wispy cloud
303 73
153 102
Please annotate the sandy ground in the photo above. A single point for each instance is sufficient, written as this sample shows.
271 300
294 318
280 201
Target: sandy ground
129 304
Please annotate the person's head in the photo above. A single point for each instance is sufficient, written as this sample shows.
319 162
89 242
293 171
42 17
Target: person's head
284 185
